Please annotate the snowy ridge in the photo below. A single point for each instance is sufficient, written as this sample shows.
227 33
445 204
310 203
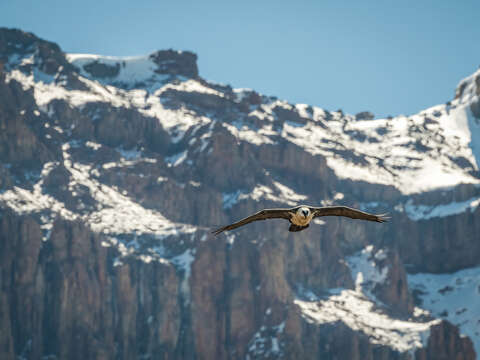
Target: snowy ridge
401 152
126 71
47 88
469 88
414 153
425 212
24 201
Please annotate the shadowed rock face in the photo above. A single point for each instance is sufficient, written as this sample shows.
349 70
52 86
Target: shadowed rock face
107 196
176 63
100 70
443 344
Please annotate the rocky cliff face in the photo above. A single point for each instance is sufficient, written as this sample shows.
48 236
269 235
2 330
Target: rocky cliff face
114 170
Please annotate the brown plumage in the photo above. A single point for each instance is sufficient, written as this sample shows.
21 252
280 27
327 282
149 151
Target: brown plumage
300 216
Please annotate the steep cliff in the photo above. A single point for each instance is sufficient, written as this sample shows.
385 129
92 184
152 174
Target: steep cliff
114 170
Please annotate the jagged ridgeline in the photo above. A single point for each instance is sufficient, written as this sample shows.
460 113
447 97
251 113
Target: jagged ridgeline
113 171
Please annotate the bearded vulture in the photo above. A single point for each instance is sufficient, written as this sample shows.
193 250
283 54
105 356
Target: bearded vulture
300 216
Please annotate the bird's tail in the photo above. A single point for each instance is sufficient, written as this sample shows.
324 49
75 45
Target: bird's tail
294 228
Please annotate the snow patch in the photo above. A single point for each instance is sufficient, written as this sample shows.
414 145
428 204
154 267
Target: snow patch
183 262
359 313
365 272
176 159
93 145
288 195
24 201
425 212
130 71
265 343
282 194
256 137
131 154
230 199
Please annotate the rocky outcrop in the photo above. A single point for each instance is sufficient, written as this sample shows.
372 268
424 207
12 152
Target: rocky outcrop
46 55
394 292
364 115
176 63
19 143
445 343
475 107
100 70
337 341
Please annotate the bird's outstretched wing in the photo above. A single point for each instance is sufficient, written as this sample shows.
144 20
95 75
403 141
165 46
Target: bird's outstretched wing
347 212
261 215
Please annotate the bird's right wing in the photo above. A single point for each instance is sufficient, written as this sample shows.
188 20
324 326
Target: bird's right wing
347 212
261 215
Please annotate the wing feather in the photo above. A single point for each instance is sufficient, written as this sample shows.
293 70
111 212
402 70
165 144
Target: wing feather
261 215
347 212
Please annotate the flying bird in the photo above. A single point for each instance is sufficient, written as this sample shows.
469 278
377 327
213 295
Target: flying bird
300 216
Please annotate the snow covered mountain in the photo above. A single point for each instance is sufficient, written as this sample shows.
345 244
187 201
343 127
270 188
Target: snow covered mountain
113 170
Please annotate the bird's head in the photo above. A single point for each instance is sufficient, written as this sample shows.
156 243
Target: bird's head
303 211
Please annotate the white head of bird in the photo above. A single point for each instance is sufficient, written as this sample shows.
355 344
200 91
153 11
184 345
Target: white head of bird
303 216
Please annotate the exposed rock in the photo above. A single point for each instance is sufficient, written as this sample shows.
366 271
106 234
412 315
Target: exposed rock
101 70
132 130
395 292
445 343
337 341
288 114
47 55
176 62
364 115
475 107
175 99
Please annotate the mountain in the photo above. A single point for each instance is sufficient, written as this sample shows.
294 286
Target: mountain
114 170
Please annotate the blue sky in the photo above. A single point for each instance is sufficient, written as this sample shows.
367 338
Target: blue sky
383 56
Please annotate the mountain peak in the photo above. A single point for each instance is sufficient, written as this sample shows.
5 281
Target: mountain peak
22 49
136 71
25 51
469 86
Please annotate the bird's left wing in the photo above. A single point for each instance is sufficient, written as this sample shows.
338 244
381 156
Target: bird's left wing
261 215
347 212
